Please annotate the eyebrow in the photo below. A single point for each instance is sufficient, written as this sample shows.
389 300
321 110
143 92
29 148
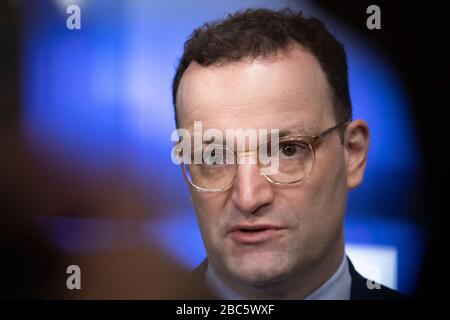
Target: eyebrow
297 129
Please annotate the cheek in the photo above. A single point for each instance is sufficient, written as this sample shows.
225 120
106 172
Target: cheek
209 209
328 187
318 204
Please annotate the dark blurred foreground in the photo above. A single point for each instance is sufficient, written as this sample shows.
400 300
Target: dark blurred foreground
34 185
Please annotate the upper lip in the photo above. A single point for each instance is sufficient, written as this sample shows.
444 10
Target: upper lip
254 227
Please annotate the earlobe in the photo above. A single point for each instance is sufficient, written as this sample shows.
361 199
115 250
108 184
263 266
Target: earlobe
356 143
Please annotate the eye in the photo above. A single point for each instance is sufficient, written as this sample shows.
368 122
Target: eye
292 150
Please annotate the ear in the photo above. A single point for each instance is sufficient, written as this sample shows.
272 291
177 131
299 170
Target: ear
356 145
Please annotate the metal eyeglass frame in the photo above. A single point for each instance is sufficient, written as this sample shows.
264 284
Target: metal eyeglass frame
312 141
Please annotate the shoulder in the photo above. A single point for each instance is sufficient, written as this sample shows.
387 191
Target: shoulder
361 291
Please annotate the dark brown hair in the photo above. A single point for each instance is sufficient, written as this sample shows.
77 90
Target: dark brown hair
257 33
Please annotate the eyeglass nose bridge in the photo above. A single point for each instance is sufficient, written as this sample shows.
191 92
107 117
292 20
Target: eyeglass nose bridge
242 155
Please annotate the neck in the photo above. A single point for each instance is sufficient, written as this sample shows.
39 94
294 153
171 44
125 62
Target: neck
298 286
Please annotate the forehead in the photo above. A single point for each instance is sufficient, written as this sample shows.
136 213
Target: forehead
287 89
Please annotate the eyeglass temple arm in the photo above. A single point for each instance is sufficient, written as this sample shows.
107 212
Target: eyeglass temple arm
326 133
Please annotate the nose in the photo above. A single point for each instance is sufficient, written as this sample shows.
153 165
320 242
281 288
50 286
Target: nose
251 190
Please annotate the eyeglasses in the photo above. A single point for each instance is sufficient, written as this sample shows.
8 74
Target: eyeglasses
296 156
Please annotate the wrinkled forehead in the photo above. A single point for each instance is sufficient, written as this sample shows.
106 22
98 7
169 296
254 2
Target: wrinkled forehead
287 89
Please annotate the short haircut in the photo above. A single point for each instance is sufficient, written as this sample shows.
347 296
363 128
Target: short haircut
255 33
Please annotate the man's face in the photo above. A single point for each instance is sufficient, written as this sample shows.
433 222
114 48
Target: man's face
288 91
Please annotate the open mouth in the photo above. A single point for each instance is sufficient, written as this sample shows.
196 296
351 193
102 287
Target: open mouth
252 235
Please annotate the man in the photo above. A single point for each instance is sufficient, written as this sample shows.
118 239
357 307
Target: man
277 236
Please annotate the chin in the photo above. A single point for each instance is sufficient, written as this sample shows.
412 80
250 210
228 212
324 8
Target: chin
260 272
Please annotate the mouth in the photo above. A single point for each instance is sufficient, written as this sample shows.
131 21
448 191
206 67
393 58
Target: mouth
253 234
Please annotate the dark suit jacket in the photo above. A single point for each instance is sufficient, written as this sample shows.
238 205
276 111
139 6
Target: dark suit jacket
359 289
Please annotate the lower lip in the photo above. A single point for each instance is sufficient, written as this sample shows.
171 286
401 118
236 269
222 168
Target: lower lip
254 236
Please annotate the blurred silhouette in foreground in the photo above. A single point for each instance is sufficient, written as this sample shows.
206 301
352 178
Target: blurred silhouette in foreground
36 183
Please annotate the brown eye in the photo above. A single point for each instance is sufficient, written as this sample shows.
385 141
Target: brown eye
288 150
291 150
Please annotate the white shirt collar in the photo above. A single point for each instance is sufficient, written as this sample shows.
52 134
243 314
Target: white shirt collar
338 287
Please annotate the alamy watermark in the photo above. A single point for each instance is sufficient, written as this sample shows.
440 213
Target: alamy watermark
73 21
74 279
374 20
374 277
209 147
